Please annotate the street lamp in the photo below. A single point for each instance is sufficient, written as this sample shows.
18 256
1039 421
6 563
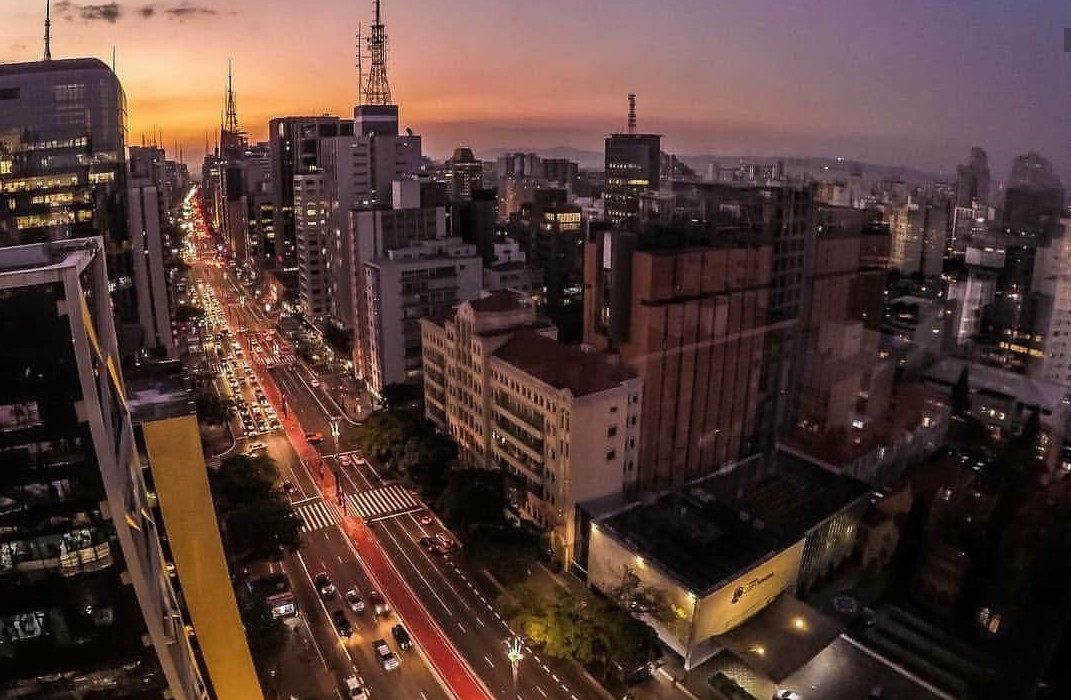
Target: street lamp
338 471
515 653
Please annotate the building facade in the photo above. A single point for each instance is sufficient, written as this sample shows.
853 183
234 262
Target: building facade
633 167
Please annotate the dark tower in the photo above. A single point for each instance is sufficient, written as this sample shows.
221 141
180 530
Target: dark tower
48 30
377 89
231 138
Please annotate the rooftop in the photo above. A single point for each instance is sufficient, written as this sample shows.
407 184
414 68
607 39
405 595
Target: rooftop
53 66
711 530
1026 390
158 390
499 301
562 366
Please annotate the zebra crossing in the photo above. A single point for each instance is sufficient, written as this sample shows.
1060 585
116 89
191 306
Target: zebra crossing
315 515
384 502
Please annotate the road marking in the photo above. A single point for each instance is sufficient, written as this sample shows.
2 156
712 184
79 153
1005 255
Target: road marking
339 557
385 502
315 515
462 627
489 663
541 691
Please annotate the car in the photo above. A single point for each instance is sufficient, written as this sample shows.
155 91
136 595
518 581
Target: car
354 599
424 518
380 606
315 383
355 689
345 460
445 542
386 657
342 624
314 438
429 545
289 487
324 587
786 695
401 637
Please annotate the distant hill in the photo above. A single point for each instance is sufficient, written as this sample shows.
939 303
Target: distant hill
820 168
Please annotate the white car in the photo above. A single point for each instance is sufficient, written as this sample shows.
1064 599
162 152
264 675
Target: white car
315 383
355 689
386 657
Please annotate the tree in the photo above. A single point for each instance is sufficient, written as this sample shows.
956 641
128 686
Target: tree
960 398
264 529
265 632
473 499
212 408
640 599
241 480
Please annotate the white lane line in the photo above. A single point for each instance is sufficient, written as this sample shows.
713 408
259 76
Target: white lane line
489 662
462 627
541 691
418 573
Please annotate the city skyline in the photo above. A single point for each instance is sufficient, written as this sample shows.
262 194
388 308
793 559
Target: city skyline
914 88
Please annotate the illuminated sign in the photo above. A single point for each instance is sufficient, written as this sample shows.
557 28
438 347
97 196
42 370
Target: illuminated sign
739 592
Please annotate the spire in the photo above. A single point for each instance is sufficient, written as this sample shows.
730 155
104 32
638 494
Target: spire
48 30
632 113
360 64
231 123
377 89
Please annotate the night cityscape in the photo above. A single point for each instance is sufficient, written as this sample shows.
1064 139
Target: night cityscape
535 351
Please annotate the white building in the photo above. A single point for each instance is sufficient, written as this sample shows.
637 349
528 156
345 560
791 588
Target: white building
563 422
1052 285
311 209
150 280
401 288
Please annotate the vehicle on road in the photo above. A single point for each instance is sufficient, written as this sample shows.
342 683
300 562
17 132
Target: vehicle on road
314 438
355 601
424 518
355 689
445 542
429 545
787 695
324 586
342 624
315 383
288 487
345 460
380 606
401 637
386 657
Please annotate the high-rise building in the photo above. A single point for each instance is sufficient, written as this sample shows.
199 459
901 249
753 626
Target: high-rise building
1033 200
86 600
63 170
150 279
633 163
476 221
402 287
311 210
298 145
464 173
972 180
919 227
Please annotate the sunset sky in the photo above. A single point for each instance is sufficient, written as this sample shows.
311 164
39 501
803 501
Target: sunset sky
910 82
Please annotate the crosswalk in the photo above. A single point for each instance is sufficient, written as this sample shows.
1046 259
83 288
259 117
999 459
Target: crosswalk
315 515
384 502
375 504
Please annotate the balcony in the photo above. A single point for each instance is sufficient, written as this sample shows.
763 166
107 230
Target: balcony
510 406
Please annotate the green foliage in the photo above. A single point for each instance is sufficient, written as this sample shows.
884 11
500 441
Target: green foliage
640 599
266 634
473 499
580 626
509 553
259 522
410 445
212 408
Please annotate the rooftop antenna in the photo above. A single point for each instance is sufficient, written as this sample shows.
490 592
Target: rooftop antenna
48 30
231 123
632 113
377 89
360 64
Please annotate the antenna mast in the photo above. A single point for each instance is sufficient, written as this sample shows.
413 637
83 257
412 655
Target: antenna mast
377 89
632 113
360 64
231 123
48 30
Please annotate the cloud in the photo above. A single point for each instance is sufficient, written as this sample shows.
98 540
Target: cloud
187 11
107 12
146 11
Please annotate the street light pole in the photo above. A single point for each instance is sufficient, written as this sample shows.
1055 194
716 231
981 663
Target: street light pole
515 654
338 470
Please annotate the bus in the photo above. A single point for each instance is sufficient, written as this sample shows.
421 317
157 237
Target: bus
267 581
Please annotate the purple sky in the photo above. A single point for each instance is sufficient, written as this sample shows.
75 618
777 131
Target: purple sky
910 82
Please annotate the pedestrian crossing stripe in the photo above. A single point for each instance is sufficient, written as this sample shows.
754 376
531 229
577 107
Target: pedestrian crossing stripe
384 502
316 515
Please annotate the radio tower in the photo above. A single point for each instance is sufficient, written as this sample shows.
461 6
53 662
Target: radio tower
48 30
230 137
377 89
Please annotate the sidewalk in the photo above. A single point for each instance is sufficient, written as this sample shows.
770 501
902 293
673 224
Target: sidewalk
301 672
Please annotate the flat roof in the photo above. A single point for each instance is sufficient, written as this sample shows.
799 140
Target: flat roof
712 529
562 366
1023 389
499 301
158 390
53 66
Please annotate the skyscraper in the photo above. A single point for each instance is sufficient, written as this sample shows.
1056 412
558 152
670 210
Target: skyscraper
633 166
63 170
972 180
85 596
463 173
